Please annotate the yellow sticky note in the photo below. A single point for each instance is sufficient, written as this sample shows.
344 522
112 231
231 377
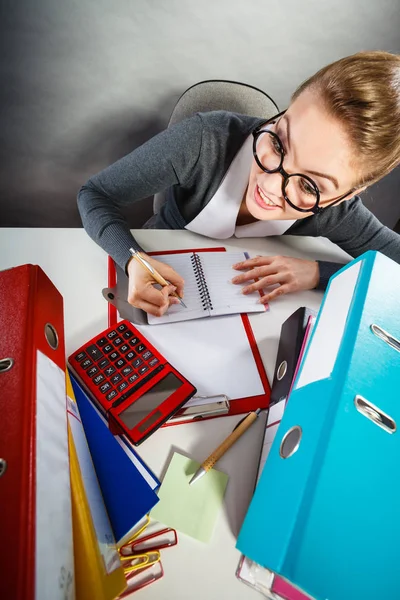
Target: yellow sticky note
191 509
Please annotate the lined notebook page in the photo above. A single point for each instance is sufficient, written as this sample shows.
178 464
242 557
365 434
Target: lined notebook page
226 298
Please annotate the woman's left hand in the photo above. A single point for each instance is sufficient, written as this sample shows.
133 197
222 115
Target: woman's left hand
290 274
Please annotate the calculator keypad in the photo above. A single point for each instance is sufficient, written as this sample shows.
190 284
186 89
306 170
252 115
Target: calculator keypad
117 363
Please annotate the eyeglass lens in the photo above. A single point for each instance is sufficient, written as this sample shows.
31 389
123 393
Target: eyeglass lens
299 190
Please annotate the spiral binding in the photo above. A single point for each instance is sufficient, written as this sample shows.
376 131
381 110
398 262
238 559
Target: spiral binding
201 282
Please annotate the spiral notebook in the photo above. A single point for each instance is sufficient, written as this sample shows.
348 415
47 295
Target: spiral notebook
209 291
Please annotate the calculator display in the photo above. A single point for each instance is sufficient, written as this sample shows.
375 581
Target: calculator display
138 410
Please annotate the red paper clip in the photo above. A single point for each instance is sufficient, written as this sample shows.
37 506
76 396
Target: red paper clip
164 538
137 580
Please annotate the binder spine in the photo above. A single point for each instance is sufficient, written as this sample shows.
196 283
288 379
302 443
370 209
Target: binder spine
201 282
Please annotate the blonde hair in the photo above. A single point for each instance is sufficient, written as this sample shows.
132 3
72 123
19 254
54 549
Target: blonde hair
362 91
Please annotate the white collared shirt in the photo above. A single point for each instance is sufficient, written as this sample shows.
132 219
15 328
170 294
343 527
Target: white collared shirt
218 217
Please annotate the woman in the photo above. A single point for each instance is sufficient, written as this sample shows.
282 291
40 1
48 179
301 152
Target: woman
226 174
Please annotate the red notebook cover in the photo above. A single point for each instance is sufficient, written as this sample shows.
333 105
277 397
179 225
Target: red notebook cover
31 320
237 406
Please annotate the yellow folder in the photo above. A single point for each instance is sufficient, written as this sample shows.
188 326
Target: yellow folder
98 570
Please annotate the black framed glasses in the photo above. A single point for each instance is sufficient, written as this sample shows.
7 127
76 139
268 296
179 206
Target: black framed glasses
298 190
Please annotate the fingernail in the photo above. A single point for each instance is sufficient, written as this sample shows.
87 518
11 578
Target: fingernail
235 266
245 290
235 280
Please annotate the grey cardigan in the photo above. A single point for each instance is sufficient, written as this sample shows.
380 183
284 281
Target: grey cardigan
188 161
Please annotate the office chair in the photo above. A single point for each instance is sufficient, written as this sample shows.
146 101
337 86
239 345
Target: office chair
218 94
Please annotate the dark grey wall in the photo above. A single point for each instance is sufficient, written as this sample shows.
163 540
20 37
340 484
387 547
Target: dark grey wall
84 81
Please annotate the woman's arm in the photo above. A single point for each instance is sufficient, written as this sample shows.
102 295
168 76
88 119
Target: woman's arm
167 159
356 230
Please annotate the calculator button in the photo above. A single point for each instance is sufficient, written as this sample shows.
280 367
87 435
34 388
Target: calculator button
153 361
108 348
112 334
98 379
122 386
134 341
92 371
102 342
94 352
109 371
105 387
126 370
143 369
114 355
127 335
133 378
146 355
111 395
115 378
120 363
140 348
80 356
130 355
117 341
103 363
122 327
124 348
86 363
137 362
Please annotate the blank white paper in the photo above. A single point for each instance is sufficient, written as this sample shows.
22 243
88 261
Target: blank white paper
213 354
54 553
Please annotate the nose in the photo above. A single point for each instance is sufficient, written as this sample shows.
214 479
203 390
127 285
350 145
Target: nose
272 184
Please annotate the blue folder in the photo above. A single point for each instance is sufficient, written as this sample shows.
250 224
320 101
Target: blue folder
127 495
326 512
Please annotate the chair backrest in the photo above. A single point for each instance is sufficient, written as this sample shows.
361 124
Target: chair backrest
217 94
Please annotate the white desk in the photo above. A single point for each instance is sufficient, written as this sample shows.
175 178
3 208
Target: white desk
78 268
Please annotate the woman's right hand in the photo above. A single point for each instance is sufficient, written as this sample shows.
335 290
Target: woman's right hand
142 293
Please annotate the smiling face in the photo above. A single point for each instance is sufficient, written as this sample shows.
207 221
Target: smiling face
315 145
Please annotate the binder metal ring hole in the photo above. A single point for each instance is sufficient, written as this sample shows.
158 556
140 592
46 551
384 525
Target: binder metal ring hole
6 364
290 442
281 372
375 414
3 466
51 336
110 296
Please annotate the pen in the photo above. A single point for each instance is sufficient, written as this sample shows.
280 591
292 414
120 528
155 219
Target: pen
155 274
240 428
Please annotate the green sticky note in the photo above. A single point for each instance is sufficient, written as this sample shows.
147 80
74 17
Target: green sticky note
191 509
